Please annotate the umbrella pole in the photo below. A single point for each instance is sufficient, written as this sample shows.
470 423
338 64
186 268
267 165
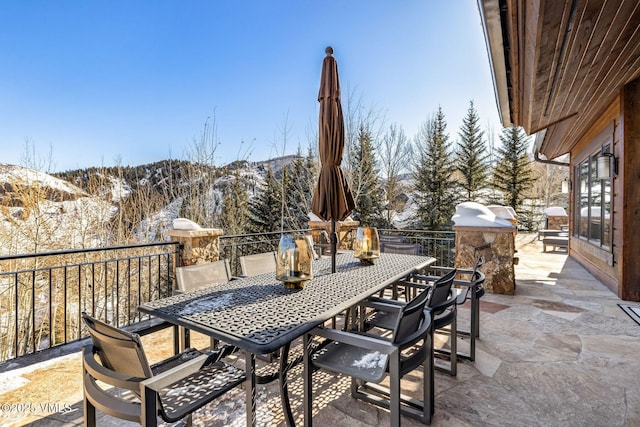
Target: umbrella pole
334 245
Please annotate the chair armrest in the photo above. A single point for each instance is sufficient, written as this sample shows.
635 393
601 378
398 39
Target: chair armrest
119 407
417 286
170 376
364 341
383 304
437 271
444 270
423 278
106 375
418 281
463 283
470 283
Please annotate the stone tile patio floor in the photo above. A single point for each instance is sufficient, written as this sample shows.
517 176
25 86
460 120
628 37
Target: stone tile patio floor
560 352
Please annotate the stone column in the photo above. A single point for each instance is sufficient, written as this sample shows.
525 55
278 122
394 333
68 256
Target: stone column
497 245
556 218
557 222
343 228
197 246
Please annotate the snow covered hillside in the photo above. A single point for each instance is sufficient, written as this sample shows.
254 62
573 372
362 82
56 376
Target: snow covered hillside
40 212
79 209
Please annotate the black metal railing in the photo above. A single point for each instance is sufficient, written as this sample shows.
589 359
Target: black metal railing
437 244
232 247
42 295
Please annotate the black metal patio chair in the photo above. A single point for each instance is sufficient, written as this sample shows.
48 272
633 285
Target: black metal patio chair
370 359
118 380
469 286
441 306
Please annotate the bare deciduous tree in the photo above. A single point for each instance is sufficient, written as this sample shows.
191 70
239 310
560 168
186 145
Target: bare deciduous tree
394 154
357 116
201 201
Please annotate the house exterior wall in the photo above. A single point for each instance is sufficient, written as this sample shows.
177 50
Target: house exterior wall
601 262
630 201
617 266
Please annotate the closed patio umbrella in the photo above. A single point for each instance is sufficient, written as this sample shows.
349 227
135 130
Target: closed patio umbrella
332 199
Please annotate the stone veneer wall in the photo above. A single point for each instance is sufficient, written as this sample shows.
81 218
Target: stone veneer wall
497 245
198 246
343 229
555 222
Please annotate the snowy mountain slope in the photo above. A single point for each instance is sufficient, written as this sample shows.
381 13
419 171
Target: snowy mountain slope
14 178
40 212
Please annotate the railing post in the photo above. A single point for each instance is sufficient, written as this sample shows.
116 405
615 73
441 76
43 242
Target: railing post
197 246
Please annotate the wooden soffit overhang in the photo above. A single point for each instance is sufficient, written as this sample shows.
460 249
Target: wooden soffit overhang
557 64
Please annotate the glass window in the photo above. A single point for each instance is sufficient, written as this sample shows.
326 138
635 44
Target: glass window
606 213
582 198
592 203
595 203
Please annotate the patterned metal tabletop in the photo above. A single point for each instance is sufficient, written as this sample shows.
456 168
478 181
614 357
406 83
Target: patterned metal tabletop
260 315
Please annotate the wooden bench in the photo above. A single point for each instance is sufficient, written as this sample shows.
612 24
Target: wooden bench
556 242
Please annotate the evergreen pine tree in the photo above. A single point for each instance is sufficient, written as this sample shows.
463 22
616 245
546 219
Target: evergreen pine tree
235 205
513 175
312 164
433 175
299 185
265 207
364 183
472 156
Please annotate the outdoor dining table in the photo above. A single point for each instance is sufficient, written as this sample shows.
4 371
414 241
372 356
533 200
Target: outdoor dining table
259 315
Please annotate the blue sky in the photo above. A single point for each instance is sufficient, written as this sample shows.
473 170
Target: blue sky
132 82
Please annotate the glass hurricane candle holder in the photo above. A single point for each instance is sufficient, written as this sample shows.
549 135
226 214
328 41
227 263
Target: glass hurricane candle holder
294 266
367 245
